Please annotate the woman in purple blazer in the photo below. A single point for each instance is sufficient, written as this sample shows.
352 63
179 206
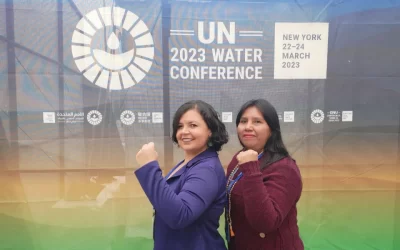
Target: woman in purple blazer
189 201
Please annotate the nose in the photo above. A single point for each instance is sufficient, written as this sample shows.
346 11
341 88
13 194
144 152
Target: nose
185 130
248 125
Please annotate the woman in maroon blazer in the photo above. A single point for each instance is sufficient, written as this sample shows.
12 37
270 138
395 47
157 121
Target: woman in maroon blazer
264 185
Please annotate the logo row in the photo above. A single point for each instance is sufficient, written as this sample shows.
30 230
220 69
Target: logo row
95 117
318 116
128 117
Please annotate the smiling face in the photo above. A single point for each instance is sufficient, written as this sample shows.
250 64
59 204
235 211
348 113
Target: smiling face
192 134
253 130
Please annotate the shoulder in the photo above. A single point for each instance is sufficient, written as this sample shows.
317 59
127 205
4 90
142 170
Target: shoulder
284 174
211 165
285 167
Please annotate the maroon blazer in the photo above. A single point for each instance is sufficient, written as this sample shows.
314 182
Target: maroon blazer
263 206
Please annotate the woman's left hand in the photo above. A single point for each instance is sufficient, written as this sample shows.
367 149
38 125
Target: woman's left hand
247 156
146 154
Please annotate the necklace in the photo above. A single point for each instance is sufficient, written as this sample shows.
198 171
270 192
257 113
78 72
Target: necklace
229 187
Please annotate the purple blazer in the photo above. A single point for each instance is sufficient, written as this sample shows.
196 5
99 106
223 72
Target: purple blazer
187 206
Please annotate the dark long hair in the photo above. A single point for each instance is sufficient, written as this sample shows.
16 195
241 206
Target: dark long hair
274 148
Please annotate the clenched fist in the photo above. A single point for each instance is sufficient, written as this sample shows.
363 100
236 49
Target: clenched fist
247 156
146 154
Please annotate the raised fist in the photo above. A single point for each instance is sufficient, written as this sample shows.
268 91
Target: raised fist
146 154
247 156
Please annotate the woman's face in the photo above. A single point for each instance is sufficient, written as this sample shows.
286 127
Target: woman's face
192 134
253 130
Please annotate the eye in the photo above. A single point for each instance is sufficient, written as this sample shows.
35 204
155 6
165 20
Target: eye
193 125
243 121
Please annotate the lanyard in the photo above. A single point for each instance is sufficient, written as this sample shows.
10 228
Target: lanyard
231 182
229 187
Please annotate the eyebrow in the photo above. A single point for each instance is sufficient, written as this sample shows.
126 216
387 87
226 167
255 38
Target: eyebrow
189 122
252 118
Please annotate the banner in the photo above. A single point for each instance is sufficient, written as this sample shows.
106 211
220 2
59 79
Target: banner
83 85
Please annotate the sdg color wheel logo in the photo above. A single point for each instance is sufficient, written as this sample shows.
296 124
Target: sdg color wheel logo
317 116
117 67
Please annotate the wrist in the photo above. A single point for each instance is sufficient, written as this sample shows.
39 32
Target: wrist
250 167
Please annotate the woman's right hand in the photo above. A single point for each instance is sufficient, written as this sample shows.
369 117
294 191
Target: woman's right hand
146 154
247 156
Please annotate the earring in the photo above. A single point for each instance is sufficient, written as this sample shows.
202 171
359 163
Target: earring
209 142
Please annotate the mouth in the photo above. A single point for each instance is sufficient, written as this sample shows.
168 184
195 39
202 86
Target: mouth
186 139
248 136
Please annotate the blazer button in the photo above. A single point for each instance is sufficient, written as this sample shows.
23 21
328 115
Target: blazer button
262 235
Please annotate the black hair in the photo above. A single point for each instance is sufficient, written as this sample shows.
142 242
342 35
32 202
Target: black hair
274 147
219 135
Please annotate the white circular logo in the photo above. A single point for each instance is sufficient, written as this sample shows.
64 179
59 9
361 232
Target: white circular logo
127 117
94 117
112 68
317 116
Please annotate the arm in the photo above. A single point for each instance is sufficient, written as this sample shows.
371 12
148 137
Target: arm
268 202
179 210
